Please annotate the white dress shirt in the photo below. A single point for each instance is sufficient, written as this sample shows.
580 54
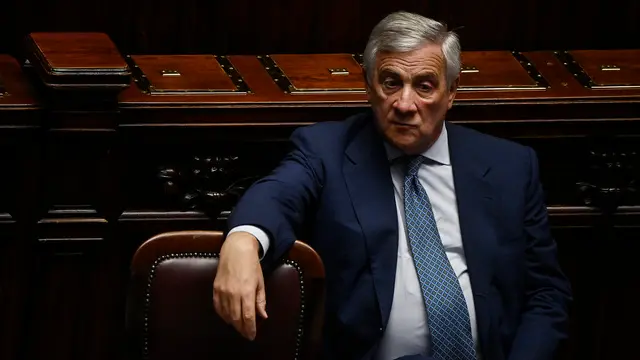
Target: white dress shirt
407 331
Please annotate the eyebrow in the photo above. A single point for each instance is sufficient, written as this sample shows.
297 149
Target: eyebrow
424 74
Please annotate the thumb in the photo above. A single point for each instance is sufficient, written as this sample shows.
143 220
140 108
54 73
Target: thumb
261 298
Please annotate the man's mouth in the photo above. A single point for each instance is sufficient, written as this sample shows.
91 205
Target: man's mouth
403 124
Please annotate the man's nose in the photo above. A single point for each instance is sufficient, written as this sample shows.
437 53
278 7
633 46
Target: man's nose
406 100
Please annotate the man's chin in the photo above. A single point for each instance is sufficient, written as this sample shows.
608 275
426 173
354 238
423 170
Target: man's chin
408 145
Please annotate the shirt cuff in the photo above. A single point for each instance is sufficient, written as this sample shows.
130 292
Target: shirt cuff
262 237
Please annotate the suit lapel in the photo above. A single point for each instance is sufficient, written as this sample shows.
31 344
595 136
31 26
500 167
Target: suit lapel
368 179
477 219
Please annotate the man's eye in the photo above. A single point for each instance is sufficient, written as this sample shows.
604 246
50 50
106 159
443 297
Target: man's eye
390 83
425 87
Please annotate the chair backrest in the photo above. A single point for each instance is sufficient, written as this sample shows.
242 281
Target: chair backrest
170 312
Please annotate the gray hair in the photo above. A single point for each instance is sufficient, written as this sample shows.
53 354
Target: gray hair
404 32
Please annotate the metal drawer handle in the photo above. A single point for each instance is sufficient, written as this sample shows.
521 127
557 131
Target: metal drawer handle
469 69
338 71
609 68
169 72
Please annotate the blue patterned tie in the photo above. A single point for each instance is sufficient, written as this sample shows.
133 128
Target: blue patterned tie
447 313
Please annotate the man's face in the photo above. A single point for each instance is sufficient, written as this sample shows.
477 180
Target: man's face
409 96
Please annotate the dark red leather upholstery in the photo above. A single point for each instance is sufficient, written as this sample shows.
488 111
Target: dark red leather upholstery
170 314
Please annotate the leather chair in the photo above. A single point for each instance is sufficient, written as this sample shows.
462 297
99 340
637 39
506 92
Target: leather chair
170 312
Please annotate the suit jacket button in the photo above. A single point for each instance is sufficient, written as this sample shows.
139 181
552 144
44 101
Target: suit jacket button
380 329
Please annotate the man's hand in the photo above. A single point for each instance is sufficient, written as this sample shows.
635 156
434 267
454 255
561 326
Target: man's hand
238 288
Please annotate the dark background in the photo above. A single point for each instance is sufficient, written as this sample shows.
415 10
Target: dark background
281 26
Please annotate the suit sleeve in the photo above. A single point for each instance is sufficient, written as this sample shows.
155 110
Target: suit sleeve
544 320
278 203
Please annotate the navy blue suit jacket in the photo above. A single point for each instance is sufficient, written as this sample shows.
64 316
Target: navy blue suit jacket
334 189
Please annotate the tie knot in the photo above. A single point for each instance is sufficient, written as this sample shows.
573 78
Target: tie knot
413 164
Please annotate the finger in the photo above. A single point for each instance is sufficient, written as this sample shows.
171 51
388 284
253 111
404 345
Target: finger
224 305
249 315
261 298
216 303
235 313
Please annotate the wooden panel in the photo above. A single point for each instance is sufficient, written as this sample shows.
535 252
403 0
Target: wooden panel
77 51
17 91
316 73
605 69
15 270
20 121
264 91
69 317
186 74
598 257
498 70
86 60
76 176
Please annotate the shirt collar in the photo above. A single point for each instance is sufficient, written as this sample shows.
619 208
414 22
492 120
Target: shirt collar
438 152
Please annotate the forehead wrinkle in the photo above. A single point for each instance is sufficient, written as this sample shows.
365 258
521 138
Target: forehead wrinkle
415 67
429 58
422 74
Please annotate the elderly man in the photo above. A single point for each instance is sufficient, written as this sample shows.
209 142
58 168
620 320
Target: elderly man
434 237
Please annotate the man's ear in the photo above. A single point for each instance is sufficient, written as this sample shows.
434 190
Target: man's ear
453 89
454 85
367 85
